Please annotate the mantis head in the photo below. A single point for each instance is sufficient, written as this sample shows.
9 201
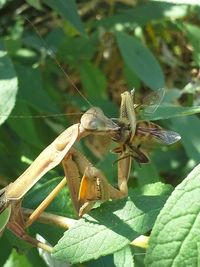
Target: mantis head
94 120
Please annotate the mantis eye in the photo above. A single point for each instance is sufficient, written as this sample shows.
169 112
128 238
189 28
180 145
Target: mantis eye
96 124
95 120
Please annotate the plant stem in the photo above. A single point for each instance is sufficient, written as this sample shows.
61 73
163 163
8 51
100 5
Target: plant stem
66 223
49 218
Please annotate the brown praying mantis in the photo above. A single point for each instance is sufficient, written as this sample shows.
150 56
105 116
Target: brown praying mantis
84 193
86 183
128 131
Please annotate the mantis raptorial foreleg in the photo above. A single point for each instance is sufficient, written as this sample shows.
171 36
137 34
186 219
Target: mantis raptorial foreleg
93 186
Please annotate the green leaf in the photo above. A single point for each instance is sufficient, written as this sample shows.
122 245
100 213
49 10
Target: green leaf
6 249
147 174
172 95
108 229
47 257
140 60
25 128
79 49
67 10
190 137
21 245
109 108
193 33
143 13
171 111
54 39
4 217
93 80
35 3
153 189
35 259
124 257
138 254
180 2
60 204
173 241
31 89
171 161
2 3
132 80
106 261
17 260
8 84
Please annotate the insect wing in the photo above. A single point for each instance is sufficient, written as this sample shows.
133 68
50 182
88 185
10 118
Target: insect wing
167 137
162 136
152 101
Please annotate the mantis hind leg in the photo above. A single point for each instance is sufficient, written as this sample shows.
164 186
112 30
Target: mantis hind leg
16 225
18 230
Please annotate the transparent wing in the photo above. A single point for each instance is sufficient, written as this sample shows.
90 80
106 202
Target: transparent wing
162 136
152 101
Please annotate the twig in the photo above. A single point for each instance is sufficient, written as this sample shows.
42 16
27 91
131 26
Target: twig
49 218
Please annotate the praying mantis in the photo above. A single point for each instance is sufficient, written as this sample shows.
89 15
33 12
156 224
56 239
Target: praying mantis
129 132
93 186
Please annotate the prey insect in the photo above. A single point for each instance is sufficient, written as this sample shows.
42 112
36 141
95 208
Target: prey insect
136 133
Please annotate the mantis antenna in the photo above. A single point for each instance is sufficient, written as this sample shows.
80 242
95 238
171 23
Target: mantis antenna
67 77
53 56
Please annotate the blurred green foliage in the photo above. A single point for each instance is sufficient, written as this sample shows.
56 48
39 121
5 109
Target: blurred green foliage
104 48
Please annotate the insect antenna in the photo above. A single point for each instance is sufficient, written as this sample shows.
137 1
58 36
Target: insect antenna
53 56
41 116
